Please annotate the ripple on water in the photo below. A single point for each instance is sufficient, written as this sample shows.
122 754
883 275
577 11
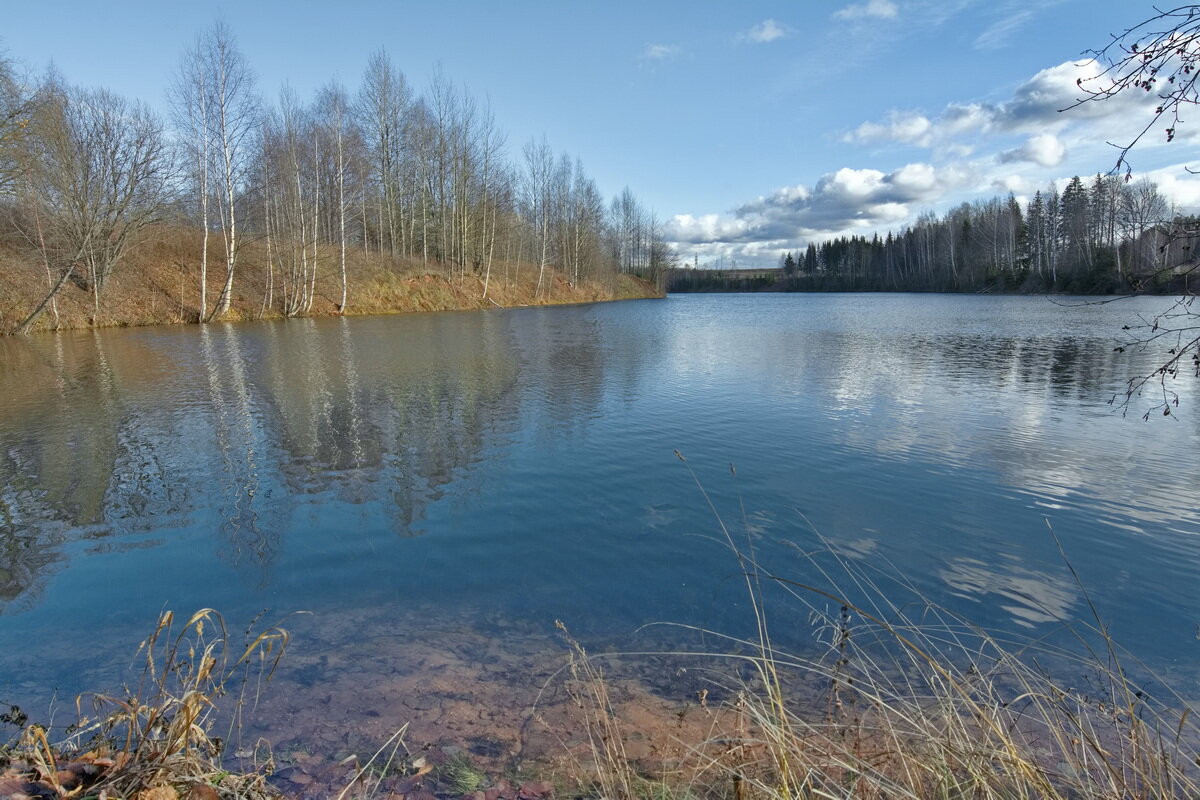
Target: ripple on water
449 471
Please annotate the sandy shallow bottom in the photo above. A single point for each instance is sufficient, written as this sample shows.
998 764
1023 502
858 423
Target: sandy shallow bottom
508 697
500 691
511 699
503 694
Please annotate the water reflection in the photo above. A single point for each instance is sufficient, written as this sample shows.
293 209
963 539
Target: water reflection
227 426
520 463
1031 596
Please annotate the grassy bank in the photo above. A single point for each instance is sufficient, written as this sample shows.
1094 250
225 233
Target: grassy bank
898 698
158 284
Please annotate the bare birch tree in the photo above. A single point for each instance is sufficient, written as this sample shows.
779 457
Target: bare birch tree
381 111
190 99
333 111
233 114
538 191
492 191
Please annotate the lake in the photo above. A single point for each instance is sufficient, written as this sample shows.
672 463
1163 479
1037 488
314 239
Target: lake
439 489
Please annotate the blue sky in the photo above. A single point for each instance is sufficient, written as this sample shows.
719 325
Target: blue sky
749 128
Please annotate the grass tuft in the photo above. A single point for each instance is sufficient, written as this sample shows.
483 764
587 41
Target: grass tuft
156 738
460 776
911 701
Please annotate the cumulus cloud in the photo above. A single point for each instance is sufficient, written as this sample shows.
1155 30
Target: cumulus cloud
879 9
1045 150
1041 99
845 200
1047 100
899 126
661 52
707 228
959 119
1179 186
764 32
1015 144
915 128
1019 185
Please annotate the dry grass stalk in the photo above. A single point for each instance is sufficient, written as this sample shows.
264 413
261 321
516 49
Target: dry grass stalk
919 703
590 693
155 739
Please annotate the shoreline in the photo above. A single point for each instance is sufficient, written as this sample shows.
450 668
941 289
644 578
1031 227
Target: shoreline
532 715
158 285
431 293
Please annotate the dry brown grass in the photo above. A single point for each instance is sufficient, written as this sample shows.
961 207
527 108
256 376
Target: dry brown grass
916 702
158 284
157 738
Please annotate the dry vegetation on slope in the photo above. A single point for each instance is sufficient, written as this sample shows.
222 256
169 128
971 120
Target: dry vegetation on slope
157 284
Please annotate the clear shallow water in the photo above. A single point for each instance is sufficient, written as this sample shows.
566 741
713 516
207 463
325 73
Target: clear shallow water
456 475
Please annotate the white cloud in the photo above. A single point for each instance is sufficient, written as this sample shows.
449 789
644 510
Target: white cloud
851 184
917 179
880 9
1045 150
899 126
1180 187
764 32
841 201
958 119
707 228
1042 99
1015 144
1045 104
1018 185
661 52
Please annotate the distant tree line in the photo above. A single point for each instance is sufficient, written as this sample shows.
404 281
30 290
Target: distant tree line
719 279
1098 236
420 176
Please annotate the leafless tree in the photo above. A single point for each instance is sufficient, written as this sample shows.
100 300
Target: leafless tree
388 171
538 197
1144 215
18 104
97 170
233 116
382 112
288 167
333 114
587 228
492 189
1158 57
630 222
189 97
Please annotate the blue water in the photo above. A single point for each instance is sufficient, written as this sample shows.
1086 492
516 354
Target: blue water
520 465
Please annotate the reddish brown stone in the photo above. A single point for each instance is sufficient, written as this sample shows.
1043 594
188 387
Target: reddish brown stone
295 775
536 790
408 784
